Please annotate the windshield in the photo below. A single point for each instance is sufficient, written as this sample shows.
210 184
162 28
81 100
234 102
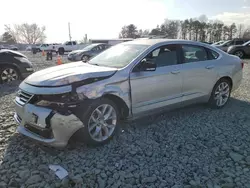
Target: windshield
226 42
218 43
119 55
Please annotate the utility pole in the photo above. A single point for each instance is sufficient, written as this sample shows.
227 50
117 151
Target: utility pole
69 32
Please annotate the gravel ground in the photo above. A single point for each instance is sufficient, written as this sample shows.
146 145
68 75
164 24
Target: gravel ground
192 147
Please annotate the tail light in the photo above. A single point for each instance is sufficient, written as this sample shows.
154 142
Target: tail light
242 64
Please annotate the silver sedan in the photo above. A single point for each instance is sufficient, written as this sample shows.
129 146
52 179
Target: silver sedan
129 80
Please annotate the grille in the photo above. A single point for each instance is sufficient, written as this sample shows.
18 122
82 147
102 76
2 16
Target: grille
19 119
23 97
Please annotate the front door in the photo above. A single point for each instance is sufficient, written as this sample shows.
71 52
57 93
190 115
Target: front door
159 88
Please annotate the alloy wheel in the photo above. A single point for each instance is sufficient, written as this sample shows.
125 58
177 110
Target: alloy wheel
102 122
222 94
239 54
85 58
9 75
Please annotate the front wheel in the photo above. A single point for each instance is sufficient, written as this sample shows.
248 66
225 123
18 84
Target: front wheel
220 94
101 122
8 74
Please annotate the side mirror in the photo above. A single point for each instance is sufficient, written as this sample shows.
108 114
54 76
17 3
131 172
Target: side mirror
148 65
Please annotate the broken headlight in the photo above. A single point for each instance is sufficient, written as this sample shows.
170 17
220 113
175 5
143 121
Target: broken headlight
59 100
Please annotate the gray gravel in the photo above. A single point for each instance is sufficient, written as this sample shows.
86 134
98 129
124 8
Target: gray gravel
192 147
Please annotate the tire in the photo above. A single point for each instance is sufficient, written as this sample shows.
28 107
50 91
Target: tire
218 99
88 131
8 74
61 51
85 58
239 53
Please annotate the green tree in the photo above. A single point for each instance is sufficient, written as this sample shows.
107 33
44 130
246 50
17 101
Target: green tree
8 38
129 31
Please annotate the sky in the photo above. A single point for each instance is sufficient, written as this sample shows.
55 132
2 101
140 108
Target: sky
103 19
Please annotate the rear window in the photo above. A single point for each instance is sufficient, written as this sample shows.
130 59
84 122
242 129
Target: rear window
212 54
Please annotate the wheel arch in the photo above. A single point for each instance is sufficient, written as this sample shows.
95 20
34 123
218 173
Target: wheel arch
226 78
12 65
121 104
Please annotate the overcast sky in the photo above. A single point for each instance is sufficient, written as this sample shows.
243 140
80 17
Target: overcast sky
104 18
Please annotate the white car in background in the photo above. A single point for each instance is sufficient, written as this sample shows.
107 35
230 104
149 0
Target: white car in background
45 47
69 46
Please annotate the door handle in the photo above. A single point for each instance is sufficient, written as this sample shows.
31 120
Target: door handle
210 67
175 72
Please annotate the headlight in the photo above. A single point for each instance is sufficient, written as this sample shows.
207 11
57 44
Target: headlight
30 69
61 99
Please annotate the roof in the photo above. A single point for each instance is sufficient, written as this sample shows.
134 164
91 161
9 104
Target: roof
120 39
156 41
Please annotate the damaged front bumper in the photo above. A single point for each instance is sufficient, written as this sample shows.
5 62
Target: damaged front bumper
46 125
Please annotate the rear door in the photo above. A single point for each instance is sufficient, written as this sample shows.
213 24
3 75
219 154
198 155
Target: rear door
198 71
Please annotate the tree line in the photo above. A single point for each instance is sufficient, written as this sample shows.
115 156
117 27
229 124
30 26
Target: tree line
23 33
198 29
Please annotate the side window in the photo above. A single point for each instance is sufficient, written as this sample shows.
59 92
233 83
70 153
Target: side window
164 56
101 47
94 49
68 43
194 53
74 43
239 42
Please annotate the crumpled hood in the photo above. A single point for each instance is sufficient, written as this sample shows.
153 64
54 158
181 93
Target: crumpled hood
68 73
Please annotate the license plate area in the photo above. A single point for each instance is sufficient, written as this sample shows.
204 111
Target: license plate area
35 116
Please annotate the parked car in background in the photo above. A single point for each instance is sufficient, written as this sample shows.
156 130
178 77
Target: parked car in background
68 47
3 47
224 46
28 48
128 80
88 52
45 47
14 66
218 43
13 47
240 50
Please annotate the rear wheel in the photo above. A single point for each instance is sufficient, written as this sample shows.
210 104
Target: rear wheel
239 53
8 74
101 122
220 94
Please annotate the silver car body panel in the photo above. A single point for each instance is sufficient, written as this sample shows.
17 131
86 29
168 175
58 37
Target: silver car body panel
62 126
141 91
